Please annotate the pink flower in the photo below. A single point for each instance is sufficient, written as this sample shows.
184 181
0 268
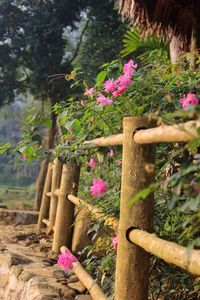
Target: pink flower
110 85
66 260
129 68
111 153
98 187
25 156
92 163
190 99
89 92
115 241
118 92
124 81
103 101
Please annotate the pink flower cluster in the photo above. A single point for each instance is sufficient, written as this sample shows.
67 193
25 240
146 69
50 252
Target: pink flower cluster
115 87
115 241
190 99
66 260
98 187
90 92
120 85
103 101
92 163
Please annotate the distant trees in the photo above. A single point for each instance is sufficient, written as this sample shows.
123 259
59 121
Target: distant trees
103 37
33 45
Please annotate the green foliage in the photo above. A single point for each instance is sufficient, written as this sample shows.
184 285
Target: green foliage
102 39
155 92
157 86
133 42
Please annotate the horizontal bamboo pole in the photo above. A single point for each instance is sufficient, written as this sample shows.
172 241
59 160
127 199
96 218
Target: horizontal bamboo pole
57 192
183 132
168 251
46 222
96 212
91 285
112 140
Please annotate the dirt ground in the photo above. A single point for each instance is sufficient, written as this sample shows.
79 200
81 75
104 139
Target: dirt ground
29 270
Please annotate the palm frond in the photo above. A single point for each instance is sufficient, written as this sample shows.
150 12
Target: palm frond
133 41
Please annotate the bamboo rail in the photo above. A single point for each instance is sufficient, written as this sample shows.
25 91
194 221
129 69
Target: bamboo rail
183 132
46 222
91 285
112 140
170 252
132 263
96 212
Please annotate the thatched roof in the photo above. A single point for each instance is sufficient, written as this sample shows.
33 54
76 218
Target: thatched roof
163 17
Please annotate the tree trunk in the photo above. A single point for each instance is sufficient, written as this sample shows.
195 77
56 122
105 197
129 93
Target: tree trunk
52 129
193 47
44 164
175 49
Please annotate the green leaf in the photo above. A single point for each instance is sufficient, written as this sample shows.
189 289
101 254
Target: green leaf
143 194
69 124
76 127
47 122
37 138
101 76
5 148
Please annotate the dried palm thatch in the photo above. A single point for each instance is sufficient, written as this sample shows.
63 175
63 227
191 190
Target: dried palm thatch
165 18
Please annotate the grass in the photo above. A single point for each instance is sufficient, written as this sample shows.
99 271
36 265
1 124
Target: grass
17 197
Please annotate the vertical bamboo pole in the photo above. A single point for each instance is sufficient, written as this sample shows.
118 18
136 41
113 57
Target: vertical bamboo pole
44 209
40 184
132 266
65 209
56 177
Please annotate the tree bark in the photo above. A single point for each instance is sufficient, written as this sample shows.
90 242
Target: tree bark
52 129
44 164
175 49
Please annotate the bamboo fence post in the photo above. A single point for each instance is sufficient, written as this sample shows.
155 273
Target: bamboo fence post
56 177
65 208
132 266
44 209
40 184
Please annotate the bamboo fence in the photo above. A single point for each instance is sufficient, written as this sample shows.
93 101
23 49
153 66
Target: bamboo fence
134 226
91 285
